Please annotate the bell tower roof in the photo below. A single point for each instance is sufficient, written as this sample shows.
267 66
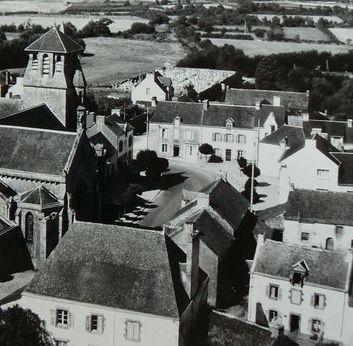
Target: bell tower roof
54 41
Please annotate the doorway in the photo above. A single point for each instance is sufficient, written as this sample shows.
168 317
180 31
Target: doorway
294 323
176 150
228 155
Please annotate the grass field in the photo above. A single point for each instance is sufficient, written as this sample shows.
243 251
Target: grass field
116 59
257 47
121 23
343 34
305 33
333 19
46 6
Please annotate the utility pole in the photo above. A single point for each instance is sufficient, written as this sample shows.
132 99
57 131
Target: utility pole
256 145
147 127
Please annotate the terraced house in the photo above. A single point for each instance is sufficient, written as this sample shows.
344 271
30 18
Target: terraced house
179 128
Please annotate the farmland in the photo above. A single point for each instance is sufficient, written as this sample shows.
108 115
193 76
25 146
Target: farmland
120 22
257 47
32 6
116 59
333 19
343 34
305 34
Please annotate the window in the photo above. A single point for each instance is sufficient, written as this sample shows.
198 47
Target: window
316 325
323 173
61 343
240 154
148 91
319 301
241 139
229 138
216 137
272 315
133 330
35 62
228 154
94 324
46 64
189 135
130 141
329 244
339 229
164 133
229 124
352 244
62 318
164 148
121 146
29 227
273 128
273 290
297 279
304 236
58 64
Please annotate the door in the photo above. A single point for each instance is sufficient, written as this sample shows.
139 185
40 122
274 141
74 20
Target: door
228 154
294 322
176 150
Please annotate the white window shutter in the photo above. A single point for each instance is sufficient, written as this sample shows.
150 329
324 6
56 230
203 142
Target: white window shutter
88 323
52 317
267 290
71 320
310 325
279 293
324 302
312 300
100 324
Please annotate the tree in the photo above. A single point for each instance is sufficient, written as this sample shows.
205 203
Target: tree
71 31
265 73
19 327
242 162
206 149
156 167
248 170
144 158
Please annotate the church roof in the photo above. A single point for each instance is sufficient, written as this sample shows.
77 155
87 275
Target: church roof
39 196
34 117
111 265
34 150
54 41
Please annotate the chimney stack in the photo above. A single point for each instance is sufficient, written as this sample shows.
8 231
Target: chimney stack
203 199
81 114
90 119
154 102
257 105
349 122
283 144
277 101
205 105
100 121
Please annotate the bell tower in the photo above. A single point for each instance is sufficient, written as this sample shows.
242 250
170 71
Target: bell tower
54 76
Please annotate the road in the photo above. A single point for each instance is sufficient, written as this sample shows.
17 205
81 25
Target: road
191 177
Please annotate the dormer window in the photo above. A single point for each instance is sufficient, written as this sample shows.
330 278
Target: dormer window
298 273
177 121
229 124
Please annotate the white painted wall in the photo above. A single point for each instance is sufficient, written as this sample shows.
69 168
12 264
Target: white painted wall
318 233
139 92
153 327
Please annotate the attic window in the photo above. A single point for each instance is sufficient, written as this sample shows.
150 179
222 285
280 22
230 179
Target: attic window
177 121
229 124
58 64
34 62
46 64
298 273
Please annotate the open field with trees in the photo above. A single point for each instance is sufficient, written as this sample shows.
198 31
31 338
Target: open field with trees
345 35
305 34
44 6
256 47
116 59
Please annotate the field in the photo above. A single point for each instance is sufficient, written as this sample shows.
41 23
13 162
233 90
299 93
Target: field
343 34
311 4
46 6
121 23
305 33
116 59
332 19
257 47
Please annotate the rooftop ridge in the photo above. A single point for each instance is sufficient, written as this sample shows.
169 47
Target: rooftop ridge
271 91
38 129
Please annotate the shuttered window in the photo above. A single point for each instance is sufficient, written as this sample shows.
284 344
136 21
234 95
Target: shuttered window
95 323
133 330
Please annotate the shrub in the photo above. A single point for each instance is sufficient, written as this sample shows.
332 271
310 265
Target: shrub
242 162
206 149
215 159
248 170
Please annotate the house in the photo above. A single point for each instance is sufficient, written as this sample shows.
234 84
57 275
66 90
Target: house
47 178
322 219
338 133
315 164
273 146
154 85
110 136
221 216
114 285
179 128
294 102
305 290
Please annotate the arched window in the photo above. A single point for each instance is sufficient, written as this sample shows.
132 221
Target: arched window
34 61
29 227
46 64
58 64
329 244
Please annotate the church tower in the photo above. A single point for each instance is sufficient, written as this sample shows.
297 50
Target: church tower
54 76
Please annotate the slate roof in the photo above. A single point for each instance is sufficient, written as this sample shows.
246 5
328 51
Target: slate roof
40 117
39 196
345 175
320 206
6 190
216 114
294 134
116 124
227 201
36 151
120 267
54 41
9 106
331 127
99 138
326 268
249 97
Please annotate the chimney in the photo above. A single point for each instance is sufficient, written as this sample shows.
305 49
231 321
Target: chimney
192 238
100 121
205 105
310 143
81 117
307 93
154 102
7 77
174 99
90 119
277 101
115 111
203 199
349 123
257 105
223 87
283 144
222 175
